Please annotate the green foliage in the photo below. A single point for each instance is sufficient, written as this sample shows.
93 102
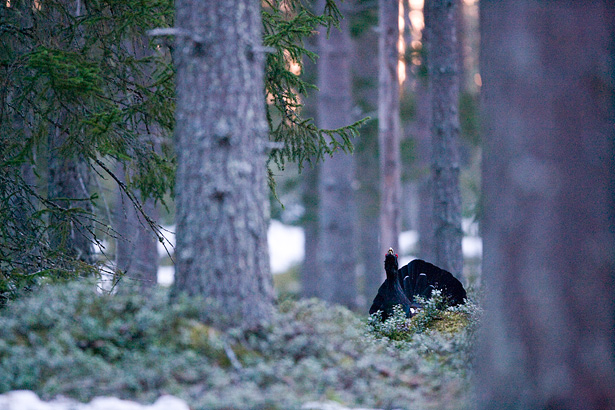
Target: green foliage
430 312
95 69
365 17
72 340
395 327
433 315
90 76
287 23
469 118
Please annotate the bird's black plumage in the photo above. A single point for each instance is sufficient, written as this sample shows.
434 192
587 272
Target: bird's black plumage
421 278
390 292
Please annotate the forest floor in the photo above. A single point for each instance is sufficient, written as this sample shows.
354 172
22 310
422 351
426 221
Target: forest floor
72 341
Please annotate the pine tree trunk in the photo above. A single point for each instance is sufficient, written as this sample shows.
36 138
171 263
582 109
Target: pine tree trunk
221 135
367 171
444 87
422 131
336 174
136 245
388 125
68 184
549 205
310 274
423 141
68 179
368 220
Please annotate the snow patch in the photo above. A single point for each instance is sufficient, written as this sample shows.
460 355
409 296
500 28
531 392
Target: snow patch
27 400
286 246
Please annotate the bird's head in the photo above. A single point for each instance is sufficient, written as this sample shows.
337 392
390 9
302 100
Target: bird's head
391 264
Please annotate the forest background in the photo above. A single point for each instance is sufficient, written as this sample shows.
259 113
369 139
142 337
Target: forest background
117 144
91 176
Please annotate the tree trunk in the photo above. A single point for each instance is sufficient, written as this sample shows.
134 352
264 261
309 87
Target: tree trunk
68 179
310 274
425 226
367 173
337 216
137 245
68 187
548 186
221 136
368 215
444 86
423 142
388 125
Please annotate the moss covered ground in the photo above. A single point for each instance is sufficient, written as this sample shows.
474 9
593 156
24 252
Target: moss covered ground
72 340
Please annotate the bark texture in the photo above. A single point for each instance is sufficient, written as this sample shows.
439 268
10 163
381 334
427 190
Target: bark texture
137 245
336 174
548 338
69 173
388 125
221 135
368 216
310 274
425 196
444 87
367 173
68 185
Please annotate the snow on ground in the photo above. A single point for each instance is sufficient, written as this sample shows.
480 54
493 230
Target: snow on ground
286 247
27 400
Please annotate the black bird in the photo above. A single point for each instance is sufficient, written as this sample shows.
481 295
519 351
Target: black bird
421 278
390 292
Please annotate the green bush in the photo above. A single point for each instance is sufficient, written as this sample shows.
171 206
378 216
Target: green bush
71 340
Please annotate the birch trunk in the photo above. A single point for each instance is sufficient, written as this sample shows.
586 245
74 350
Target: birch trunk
221 136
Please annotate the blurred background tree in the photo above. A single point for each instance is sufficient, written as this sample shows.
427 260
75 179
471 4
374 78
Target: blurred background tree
548 210
443 75
388 124
336 212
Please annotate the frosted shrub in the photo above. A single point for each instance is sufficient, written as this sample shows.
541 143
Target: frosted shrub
395 327
69 340
430 312
398 327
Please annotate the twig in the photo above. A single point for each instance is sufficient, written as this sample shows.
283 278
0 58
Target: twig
231 356
177 32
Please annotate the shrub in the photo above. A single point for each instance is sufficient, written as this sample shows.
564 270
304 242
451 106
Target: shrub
70 340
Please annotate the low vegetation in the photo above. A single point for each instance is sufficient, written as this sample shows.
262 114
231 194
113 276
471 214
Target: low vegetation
72 340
